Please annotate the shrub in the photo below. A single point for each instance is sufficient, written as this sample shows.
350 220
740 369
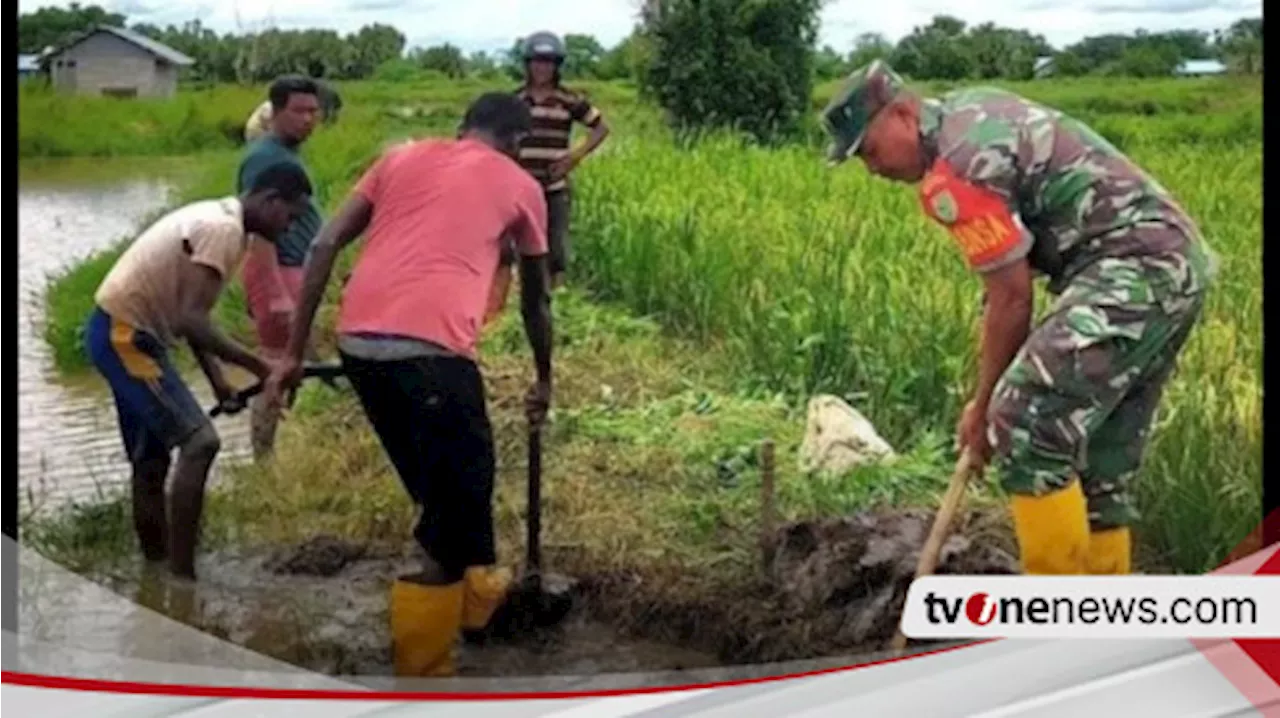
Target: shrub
728 64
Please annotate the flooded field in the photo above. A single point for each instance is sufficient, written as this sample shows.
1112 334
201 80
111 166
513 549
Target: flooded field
69 446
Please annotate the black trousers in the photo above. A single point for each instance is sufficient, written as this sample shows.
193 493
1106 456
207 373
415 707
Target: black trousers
429 413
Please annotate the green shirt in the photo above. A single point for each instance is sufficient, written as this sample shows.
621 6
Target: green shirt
292 247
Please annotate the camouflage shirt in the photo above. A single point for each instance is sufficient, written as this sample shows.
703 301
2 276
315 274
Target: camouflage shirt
1011 179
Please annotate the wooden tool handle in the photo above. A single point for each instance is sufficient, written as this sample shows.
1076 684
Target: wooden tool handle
946 515
324 372
928 561
533 524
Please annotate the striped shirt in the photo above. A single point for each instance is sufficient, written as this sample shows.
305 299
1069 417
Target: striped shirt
553 118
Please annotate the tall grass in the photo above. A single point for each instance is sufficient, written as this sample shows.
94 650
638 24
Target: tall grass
810 279
51 124
821 280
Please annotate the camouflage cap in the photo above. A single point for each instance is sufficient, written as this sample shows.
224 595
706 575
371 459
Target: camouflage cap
865 92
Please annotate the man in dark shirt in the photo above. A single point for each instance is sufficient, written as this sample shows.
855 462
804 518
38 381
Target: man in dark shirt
273 275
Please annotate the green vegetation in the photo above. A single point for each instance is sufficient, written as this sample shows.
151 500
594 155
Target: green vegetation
762 277
945 48
722 63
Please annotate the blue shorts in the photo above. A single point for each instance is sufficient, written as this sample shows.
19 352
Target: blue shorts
156 409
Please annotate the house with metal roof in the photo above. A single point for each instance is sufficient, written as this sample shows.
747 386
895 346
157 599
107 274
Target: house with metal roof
28 66
1200 68
115 62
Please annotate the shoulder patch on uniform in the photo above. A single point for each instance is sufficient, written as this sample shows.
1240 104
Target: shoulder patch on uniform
944 206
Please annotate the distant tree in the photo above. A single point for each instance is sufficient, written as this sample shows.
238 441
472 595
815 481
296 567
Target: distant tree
371 46
1098 51
614 65
583 54
828 64
513 60
482 64
1186 44
55 25
1147 60
446 59
627 59
726 63
868 47
1004 52
1068 64
399 69
936 51
1241 45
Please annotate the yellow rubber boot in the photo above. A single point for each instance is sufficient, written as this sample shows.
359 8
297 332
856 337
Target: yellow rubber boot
486 587
425 626
1109 552
1052 530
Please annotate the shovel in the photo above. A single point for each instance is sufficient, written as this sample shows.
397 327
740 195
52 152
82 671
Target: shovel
324 372
928 561
538 600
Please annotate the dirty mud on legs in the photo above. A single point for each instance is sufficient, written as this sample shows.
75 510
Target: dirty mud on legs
150 517
186 501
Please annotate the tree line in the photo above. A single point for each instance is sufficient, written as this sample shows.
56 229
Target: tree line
946 49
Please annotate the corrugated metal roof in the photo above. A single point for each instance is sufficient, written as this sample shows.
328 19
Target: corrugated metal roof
28 63
158 49
1201 67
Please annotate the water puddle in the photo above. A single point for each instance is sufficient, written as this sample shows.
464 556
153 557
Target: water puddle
338 624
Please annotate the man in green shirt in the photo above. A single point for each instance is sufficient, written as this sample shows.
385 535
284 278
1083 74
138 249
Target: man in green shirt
273 274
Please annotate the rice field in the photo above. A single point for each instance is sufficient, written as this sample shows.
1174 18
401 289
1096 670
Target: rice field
807 279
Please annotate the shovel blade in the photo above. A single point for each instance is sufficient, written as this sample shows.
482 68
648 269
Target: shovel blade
536 603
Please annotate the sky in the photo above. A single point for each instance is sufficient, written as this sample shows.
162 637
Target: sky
494 24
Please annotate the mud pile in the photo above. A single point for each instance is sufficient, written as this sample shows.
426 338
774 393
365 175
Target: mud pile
848 577
318 556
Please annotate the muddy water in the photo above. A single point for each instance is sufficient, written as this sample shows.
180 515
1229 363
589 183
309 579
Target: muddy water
338 624
69 446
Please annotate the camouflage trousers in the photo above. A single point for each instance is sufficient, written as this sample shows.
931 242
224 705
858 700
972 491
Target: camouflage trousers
1080 396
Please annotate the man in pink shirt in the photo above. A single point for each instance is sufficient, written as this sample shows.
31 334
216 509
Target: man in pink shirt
434 214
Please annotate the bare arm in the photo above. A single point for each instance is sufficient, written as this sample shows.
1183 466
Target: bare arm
349 222
535 307
212 371
195 325
599 131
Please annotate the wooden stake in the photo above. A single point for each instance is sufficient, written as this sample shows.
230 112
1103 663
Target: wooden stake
768 518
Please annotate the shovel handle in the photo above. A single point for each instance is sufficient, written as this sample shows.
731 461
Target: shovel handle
324 372
928 560
946 515
533 541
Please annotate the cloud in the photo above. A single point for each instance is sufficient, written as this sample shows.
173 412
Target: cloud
130 8
1151 7
400 6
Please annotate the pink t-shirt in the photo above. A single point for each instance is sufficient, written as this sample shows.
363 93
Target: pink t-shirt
440 210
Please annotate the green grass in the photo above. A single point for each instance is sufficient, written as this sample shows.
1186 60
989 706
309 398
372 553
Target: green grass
771 276
56 125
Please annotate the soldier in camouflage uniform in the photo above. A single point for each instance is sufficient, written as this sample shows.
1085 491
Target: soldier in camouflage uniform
1064 409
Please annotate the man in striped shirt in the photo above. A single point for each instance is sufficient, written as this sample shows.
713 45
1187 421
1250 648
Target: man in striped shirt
546 152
